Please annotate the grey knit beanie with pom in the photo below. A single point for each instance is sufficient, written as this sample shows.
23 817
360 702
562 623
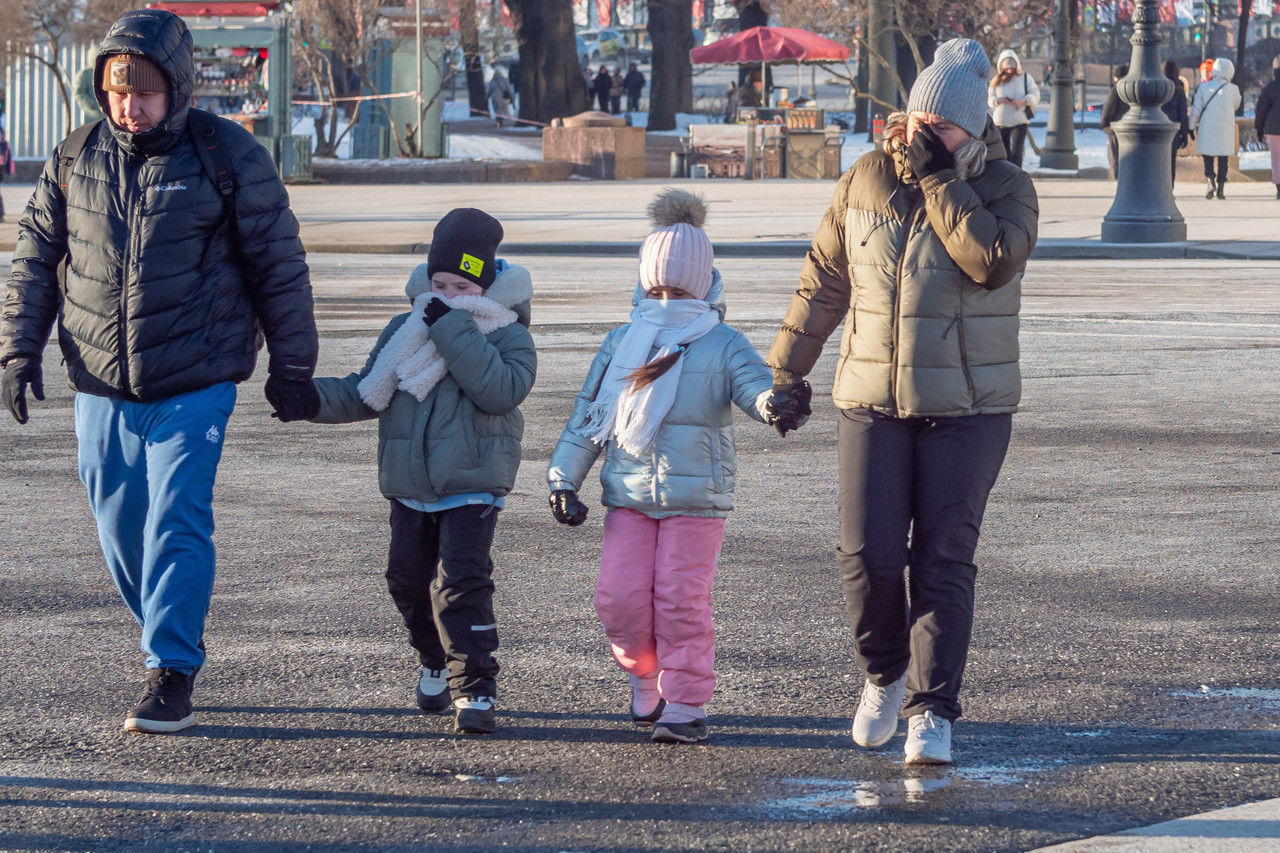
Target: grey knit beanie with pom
955 86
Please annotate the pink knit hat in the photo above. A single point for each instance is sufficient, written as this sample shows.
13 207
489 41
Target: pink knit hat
678 253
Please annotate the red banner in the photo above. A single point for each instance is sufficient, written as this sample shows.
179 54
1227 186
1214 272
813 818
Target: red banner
1168 11
602 13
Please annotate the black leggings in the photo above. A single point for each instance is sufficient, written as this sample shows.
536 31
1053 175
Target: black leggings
912 495
1014 137
1208 168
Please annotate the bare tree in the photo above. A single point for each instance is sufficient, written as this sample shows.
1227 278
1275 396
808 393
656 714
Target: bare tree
671 89
551 83
472 58
41 29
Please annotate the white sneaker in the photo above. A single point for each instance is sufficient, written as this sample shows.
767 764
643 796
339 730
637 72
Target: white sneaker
877 717
928 739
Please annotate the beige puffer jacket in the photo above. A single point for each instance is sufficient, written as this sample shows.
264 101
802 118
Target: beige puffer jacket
927 280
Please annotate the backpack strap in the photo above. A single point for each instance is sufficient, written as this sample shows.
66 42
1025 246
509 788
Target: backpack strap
216 162
70 149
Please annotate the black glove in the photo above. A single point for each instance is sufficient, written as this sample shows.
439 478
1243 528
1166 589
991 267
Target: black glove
788 407
926 153
566 507
19 373
292 399
436 309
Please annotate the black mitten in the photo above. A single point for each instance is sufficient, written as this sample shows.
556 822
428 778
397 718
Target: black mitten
566 507
292 399
436 309
19 374
926 153
788 407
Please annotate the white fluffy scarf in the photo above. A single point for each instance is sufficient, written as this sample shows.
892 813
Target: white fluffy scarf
632 417
410 361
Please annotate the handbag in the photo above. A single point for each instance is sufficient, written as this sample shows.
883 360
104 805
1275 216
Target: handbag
1028 110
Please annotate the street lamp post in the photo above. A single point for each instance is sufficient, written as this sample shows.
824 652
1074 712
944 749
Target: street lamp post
1060 142
1144 210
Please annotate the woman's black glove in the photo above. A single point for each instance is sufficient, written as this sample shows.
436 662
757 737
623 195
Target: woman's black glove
21 373
566 507
788 407
436 309
292 399
926 153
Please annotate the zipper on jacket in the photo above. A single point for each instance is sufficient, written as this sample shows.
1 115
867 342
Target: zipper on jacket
908 227
881 218
131 252
964 359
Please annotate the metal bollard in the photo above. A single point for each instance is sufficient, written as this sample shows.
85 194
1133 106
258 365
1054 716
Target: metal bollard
679 164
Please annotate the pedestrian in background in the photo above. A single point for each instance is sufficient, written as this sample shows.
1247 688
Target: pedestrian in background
1176 109
168 286
925 386
656 402
634 84
1012 98
602 84
1266 122
1113 109
617 83
6 163
1213 120
500 95
445 382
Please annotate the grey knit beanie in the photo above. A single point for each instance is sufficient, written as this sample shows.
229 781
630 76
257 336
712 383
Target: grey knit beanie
955 86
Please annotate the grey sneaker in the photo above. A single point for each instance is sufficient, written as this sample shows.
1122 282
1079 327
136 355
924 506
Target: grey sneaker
877 717
433 691
165 705
474 715
928 739
679 732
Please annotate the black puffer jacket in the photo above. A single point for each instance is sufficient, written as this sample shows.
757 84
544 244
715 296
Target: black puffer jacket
160 298
1267 112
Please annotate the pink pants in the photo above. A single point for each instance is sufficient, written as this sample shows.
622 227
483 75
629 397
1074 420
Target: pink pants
654 599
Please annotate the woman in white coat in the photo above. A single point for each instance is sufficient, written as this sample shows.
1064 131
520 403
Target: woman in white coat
1213 121
1010 97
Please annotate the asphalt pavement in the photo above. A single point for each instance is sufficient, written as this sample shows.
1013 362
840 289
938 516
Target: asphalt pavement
1123 667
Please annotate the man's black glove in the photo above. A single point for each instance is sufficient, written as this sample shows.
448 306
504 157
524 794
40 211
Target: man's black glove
436 309
926 153
788 406
566 507
19 373
292 399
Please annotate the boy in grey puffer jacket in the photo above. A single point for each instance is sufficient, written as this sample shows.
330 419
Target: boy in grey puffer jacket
445 381
657 403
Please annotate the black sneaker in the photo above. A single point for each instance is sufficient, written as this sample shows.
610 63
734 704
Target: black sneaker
433 691
679 732
474 716
165 705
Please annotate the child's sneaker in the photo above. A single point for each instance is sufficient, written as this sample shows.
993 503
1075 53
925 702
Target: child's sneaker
644 695
433 691
877 717
474 716
690 732
928 739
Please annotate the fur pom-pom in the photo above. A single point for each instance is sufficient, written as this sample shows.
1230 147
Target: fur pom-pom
673 206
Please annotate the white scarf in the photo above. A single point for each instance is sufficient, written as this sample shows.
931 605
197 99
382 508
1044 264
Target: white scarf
632 417
410 361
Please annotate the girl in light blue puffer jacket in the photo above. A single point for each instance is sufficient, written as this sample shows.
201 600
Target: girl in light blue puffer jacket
657 403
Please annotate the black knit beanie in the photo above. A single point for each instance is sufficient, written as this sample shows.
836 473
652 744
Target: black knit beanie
465 242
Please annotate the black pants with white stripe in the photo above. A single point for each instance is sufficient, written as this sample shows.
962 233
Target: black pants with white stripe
440 577
912 495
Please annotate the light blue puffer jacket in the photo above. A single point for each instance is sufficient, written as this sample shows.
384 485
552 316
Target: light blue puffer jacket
690 468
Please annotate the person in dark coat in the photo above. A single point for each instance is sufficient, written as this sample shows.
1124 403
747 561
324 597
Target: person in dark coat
603 83
1266 122
1176 109
167 288
1112 111
634 85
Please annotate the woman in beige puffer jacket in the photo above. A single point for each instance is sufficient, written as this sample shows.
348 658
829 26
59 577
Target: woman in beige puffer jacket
921 255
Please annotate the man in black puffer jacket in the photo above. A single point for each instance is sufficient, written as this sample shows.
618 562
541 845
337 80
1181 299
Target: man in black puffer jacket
158 314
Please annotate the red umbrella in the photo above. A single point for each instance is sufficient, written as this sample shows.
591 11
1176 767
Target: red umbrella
769 44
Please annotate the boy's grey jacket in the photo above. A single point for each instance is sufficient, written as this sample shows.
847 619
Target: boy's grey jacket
160 299
690 467
927 281
465 435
